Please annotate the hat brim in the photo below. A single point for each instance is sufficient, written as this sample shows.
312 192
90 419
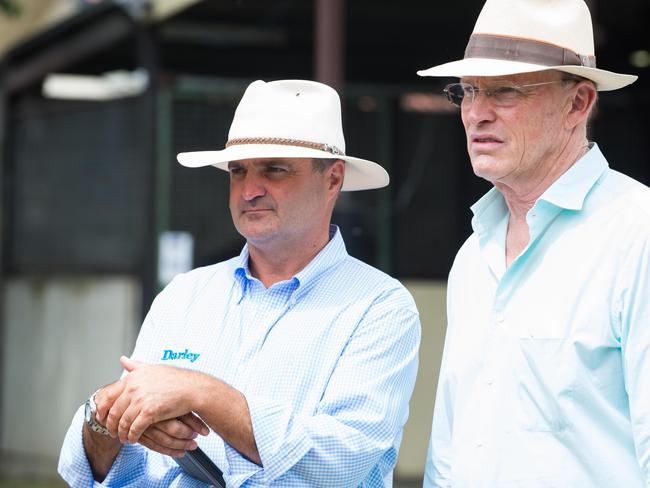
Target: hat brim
604 80
360 174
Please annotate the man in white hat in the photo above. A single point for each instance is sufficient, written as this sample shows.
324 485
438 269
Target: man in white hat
299 358
544 376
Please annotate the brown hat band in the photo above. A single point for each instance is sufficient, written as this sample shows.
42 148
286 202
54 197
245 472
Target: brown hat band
285 142
525 51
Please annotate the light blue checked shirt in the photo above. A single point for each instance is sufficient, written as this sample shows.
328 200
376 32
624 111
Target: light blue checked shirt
545 377
327 361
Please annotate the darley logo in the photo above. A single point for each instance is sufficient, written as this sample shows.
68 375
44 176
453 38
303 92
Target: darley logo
186 354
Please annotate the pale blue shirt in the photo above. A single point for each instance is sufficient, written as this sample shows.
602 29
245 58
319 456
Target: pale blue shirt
545 376
327 361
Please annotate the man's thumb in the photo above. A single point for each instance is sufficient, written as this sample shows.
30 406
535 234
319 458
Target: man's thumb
129 364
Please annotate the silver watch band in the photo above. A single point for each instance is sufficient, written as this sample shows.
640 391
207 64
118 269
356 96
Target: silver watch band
91 410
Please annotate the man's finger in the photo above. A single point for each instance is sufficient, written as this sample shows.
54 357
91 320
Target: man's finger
154 446
176 428
130 364
124 425
161 438
115 413
139 425
195 423
105 397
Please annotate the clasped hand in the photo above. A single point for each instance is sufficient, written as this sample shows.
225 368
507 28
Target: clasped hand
152 405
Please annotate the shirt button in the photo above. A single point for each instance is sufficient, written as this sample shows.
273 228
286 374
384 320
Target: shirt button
501 318
489 382
479 444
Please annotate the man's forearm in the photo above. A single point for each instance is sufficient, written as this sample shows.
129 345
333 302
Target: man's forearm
149 394
225 410
101 451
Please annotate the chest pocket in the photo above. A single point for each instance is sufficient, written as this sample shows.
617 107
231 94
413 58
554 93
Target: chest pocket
544 382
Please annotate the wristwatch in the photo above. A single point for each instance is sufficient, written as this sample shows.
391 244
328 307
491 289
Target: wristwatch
91 409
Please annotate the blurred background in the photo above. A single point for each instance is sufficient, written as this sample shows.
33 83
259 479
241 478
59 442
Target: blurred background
96 99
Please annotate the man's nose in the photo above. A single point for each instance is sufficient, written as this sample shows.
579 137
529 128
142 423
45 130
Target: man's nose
252 187
478 110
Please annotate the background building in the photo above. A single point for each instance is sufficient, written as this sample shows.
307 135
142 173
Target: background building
89 183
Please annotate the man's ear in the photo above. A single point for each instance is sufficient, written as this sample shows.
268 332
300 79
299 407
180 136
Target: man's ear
336 174
582 101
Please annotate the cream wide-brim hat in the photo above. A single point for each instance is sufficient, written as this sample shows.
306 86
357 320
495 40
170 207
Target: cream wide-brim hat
523 36
290 119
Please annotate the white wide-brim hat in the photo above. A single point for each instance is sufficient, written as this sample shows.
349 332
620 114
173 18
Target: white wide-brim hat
523 36
290 119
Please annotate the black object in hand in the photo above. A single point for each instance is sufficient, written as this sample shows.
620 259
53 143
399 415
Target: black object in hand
198 465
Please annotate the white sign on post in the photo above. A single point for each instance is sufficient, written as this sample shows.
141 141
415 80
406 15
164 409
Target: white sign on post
175 255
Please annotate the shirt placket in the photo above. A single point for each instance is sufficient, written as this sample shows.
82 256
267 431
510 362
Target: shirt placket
262 309
499 341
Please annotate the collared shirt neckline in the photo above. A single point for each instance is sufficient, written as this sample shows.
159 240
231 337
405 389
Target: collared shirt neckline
571 189
333 253
568 191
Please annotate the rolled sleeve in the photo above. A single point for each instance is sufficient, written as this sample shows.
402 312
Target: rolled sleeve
281 437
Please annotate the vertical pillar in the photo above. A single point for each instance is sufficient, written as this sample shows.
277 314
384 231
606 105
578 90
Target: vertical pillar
385 132
147 58
329 42
3 223
164 134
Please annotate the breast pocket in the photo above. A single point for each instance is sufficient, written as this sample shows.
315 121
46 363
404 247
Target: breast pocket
544 383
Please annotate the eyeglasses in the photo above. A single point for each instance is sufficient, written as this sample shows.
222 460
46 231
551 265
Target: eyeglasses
503 94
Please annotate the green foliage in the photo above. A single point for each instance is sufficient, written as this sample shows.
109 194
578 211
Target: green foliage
9 8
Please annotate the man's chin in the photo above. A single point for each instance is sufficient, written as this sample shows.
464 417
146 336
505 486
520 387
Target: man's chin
485 167
257 237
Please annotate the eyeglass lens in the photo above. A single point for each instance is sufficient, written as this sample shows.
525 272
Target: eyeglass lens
503 94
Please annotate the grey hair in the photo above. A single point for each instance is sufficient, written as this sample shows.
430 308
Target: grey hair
321 164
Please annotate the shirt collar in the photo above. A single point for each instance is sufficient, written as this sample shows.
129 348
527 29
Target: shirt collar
333 253
568 191
571 189
488 211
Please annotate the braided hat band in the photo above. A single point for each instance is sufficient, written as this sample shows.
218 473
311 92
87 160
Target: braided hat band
285 142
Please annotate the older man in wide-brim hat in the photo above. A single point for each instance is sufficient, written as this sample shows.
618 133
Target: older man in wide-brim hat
543 380
299 358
